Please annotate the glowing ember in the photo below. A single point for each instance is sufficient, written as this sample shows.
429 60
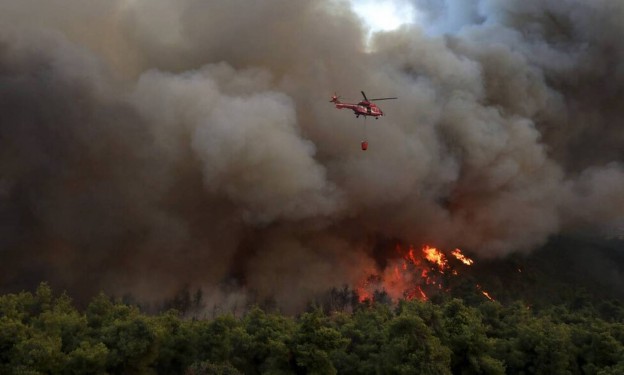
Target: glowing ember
461 257
411 256
416 293
364 295
368 286
486 294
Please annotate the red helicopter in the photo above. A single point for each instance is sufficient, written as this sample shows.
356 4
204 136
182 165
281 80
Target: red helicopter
363 108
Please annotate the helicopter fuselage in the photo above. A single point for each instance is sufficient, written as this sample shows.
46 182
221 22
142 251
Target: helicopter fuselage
363 108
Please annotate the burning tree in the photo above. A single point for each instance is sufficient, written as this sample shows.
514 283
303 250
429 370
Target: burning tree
413 273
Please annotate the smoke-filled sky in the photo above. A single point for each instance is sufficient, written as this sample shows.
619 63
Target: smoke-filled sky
149 144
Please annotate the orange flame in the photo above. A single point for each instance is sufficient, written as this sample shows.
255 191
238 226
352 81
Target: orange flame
435 256
486 294
366 287
411 257
461 257
416 292
408 276
364 295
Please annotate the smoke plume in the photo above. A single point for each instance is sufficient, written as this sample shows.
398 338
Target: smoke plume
149 144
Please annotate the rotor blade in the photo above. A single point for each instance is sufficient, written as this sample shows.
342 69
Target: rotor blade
394 97
364 95
335 97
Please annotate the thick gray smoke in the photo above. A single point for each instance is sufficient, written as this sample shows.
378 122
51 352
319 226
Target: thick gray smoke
149 144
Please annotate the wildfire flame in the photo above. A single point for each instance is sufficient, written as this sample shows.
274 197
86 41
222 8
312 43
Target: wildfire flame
461 257
435 256
486 294
412 274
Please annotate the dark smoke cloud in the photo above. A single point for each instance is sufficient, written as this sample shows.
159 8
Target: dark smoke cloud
145 145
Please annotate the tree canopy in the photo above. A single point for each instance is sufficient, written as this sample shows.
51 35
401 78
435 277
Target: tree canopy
44 333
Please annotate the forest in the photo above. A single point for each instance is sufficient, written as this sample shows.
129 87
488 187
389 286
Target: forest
45 332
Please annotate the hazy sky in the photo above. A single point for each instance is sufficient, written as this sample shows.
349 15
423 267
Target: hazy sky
384 15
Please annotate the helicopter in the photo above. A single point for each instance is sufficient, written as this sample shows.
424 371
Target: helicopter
363 108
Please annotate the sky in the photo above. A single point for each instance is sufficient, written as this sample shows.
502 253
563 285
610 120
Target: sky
384 15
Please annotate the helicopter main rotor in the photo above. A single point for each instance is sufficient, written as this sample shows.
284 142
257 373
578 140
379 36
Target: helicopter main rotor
376 99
